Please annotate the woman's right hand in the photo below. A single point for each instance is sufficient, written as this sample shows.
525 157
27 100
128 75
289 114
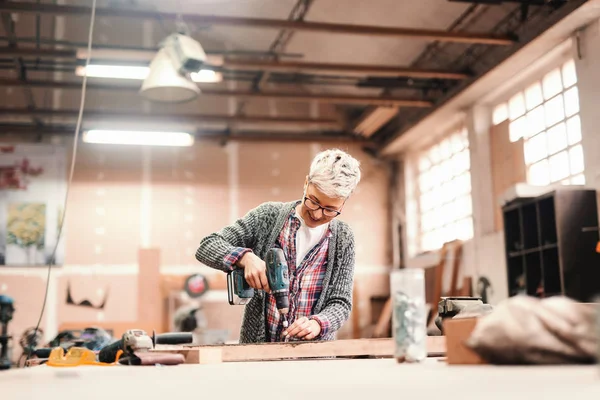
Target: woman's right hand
255 271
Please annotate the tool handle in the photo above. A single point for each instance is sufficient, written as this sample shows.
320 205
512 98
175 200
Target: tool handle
43 352
174 338
108 354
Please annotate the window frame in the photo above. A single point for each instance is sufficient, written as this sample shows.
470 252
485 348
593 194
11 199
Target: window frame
572 178
416 235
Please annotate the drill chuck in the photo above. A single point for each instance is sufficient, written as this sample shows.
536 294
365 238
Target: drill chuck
282 301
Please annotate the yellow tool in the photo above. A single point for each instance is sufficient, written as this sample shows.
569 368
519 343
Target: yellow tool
76 356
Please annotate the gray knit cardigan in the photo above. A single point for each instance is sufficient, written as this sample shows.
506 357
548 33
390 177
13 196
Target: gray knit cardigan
258 230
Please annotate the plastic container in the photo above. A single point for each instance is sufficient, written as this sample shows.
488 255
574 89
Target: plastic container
409 317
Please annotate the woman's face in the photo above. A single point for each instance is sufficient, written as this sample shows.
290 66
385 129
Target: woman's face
312 209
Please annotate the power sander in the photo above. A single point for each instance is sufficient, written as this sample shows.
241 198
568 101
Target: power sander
239 292
136 346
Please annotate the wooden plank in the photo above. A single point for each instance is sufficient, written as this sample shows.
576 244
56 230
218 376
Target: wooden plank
150 306
383 324
456 262
467 287
382 348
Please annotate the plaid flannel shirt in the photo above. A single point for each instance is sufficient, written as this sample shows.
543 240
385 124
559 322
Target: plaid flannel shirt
306 279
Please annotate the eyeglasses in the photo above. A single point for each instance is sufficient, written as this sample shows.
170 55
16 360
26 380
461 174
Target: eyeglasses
314 206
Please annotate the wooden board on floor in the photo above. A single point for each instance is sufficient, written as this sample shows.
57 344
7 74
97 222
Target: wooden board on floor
382 348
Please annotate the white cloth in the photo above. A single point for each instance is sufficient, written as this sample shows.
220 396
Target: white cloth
527 330
307 238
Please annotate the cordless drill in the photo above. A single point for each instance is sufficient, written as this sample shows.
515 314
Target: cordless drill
239 292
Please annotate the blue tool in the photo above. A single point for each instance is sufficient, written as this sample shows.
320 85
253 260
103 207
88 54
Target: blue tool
240 293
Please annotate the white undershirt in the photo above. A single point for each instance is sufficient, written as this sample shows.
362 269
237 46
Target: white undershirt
307 238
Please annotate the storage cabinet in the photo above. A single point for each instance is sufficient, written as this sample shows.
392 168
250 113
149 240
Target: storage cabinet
551 245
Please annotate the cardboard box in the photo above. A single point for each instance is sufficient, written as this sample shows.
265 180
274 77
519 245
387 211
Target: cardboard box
456 332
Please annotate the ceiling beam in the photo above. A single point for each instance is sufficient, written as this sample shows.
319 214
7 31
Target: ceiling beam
380 31
240 94
201 135
125 47
171 118
35 52
355 69
272 66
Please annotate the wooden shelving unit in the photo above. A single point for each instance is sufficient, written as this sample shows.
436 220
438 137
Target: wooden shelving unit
551 245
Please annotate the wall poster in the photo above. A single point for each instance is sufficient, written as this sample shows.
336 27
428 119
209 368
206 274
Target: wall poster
33 180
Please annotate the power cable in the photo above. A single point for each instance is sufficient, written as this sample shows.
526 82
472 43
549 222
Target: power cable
72 169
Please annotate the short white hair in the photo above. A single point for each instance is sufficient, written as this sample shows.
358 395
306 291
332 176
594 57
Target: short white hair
335 173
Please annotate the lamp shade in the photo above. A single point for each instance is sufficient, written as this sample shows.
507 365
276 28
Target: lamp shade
165 84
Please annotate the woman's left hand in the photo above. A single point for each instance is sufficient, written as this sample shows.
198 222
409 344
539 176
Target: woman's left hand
303 328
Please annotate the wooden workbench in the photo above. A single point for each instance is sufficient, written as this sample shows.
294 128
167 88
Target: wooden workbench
371 379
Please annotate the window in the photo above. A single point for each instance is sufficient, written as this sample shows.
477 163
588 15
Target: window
441 195
546 116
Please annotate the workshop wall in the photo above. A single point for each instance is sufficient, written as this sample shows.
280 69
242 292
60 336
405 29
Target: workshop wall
126 198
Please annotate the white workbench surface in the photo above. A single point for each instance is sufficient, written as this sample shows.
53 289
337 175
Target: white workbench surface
306 380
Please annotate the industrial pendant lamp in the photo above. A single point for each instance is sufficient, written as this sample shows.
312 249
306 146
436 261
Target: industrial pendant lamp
169 79
165 83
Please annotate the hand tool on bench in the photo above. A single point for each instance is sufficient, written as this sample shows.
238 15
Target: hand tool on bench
449 307
239 292
74 357
91 338
135 345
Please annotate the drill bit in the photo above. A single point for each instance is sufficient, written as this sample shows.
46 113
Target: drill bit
285 326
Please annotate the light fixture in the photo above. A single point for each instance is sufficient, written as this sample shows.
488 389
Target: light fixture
170 78
207 76
165 83
113 71
143 138
173 72
140 73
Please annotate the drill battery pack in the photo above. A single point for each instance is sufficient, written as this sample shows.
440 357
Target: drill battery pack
238 290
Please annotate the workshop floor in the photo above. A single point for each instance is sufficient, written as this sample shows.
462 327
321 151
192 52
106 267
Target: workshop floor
306 380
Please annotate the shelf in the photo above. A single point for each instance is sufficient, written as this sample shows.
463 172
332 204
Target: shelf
547 220
512 231
534 250
548 249
516 275
529 219
551 265
533 274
